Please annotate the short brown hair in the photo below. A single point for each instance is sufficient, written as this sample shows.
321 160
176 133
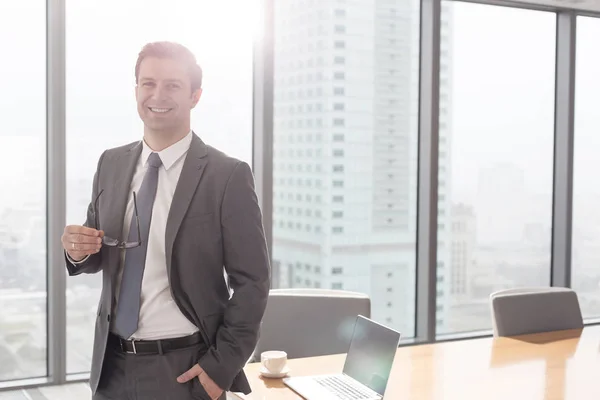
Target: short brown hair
173 51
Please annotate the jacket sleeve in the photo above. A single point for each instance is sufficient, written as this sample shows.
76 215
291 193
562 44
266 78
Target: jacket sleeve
92 263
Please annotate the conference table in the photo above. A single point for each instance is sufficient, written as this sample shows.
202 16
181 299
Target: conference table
549 366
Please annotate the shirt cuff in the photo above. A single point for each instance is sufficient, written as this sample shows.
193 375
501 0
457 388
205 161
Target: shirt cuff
76 262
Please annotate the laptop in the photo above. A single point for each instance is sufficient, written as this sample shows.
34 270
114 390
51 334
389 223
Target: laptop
366 369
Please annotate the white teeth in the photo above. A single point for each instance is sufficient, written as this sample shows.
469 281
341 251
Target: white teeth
159 110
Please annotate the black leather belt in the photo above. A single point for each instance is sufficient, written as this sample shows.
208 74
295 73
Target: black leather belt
153 346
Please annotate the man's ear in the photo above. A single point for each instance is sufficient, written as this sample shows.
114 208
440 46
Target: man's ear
196 94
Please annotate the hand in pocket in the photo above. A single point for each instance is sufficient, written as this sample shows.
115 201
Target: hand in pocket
212 389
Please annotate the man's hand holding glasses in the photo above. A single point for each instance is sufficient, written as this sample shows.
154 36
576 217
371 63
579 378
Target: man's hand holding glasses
80 241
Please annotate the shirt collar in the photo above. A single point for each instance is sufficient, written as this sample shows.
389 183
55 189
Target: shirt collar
171 154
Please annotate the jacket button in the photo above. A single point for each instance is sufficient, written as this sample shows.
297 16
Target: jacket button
108 317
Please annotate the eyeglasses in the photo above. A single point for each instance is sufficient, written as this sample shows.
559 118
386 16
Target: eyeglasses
108 241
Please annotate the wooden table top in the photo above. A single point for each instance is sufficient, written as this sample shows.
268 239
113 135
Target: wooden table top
550 366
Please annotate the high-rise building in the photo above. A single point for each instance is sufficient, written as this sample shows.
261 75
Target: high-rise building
345 152
444 249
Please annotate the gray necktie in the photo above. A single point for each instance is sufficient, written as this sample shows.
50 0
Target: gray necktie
128 306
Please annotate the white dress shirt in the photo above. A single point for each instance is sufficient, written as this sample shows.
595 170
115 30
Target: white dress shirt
160 317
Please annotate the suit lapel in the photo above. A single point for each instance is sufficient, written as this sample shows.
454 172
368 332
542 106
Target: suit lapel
192 170
124 168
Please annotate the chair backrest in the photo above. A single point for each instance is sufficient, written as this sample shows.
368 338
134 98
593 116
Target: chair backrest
533 310
310 322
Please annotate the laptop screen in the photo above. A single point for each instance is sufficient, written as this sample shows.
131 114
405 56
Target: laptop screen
371 354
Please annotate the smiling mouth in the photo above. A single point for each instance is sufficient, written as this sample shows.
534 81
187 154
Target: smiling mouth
158 110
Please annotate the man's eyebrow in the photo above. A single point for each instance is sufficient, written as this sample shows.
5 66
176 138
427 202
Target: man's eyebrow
166 80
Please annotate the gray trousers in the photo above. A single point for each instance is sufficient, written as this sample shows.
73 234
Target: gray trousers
150 377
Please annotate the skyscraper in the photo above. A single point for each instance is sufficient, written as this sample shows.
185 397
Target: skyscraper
345 151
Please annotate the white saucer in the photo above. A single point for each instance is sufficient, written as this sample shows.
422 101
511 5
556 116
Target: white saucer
265 372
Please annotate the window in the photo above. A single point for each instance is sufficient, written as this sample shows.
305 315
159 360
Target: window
502 135
337 271
586 215
337 286
354 212
101 106
23 201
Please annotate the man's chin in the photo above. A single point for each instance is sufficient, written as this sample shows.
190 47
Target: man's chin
159 126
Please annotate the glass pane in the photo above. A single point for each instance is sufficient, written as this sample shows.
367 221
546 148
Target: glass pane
345 151
496 158
586 190
101 107
23 327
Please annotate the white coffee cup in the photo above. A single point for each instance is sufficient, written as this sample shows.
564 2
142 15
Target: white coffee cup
274 361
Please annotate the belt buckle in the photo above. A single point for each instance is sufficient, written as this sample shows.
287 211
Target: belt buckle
127 351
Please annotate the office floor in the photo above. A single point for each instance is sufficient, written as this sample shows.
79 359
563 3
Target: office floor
74 391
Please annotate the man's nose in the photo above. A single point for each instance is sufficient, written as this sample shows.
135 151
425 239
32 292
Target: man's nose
157 93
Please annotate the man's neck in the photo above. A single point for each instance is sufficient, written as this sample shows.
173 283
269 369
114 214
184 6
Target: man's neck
159 141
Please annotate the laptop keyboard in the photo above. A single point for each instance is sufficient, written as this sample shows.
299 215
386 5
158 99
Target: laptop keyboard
343 389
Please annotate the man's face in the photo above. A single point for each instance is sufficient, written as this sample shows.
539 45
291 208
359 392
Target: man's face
164 95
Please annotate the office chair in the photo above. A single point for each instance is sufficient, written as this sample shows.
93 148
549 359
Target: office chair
534 310
310 322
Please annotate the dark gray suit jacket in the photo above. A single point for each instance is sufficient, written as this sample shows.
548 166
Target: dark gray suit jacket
214 221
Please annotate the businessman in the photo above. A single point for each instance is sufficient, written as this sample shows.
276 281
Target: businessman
168 215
